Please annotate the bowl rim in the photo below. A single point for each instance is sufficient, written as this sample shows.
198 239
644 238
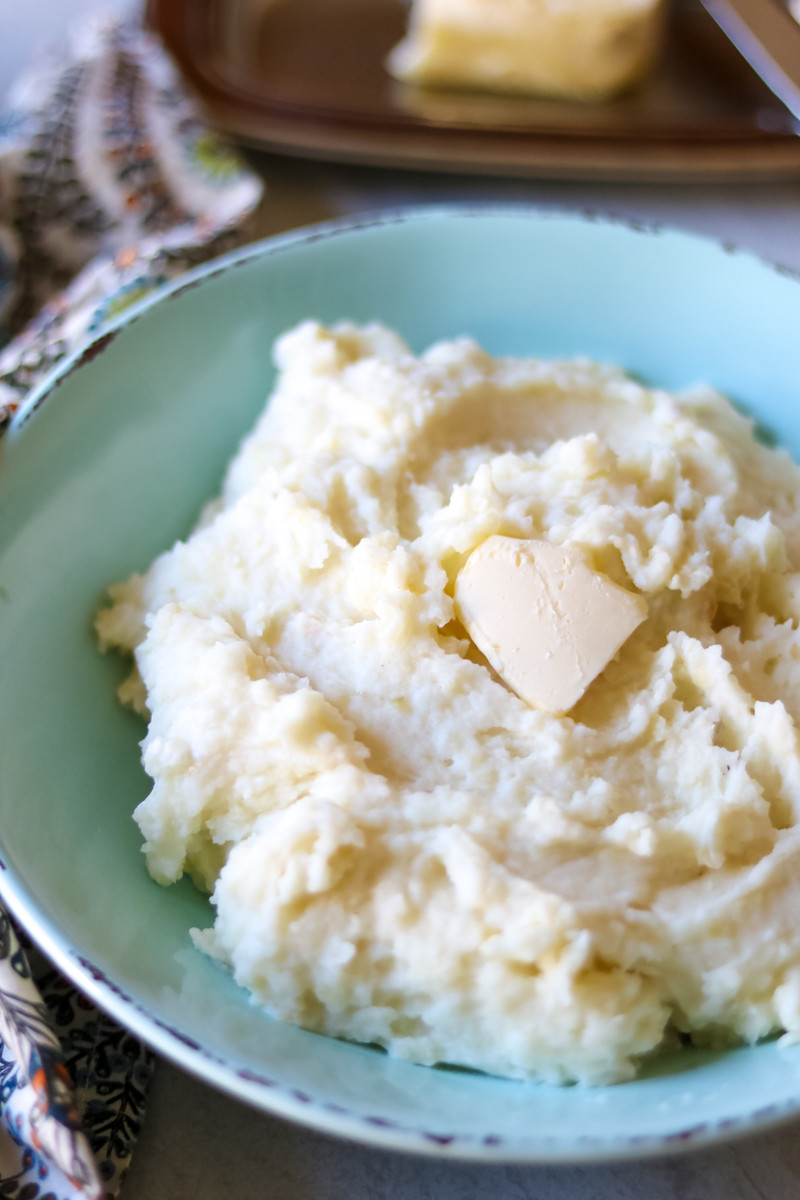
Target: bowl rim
275 244
269 1095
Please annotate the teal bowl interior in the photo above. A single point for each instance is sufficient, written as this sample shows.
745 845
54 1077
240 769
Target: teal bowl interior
110 461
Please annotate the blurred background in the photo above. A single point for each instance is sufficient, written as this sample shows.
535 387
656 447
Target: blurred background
39 25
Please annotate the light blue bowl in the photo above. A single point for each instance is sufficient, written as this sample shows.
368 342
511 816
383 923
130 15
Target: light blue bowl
111 459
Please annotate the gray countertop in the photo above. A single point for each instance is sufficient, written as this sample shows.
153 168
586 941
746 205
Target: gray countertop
198 1145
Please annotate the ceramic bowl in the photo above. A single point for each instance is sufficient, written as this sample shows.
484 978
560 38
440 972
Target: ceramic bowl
111 459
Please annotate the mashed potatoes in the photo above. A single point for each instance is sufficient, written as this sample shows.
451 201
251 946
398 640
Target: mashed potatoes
400 849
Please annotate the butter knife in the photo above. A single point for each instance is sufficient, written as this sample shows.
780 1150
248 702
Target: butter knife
768 36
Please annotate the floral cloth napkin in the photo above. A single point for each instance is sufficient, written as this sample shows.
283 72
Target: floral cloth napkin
110 184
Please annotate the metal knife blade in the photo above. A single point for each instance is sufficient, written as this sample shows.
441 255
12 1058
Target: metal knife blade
768 36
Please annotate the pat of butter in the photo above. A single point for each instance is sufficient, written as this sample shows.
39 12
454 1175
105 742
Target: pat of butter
577 48
546 621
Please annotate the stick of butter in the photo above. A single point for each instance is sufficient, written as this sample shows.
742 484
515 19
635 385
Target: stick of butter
546 621
586 49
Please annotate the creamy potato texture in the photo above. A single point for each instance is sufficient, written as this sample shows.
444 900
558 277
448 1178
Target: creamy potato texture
399 849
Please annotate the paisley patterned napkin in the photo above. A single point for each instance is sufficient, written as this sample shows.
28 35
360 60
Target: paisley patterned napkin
110 184
72 1084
